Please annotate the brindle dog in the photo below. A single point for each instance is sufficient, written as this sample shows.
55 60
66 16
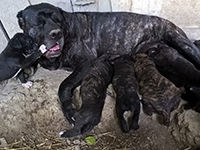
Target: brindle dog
158 93
93 94
75 38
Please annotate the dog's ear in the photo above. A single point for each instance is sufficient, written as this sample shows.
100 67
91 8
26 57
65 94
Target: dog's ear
15 43
21 20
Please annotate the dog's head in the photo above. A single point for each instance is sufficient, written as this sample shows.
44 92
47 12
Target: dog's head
23 42
43 22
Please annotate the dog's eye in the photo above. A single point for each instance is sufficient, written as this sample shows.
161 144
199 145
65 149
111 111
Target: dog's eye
56 18
40 21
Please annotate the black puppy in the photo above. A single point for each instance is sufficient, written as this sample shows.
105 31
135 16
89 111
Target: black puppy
192 96
93 93
173 65
74 38
125 86
20 53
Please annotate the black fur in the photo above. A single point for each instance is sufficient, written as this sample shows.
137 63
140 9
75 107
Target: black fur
20 53
192 96
125 86
173 65
93 94
82 36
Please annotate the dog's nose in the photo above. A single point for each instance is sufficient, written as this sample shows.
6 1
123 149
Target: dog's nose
55 34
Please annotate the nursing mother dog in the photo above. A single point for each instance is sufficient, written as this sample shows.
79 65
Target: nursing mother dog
75 39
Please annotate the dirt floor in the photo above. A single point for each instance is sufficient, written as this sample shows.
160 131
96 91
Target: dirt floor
32 118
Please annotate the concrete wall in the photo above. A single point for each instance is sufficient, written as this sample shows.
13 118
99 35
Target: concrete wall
184 14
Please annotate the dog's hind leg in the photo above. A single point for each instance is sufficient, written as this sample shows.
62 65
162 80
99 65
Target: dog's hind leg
135 118
147 108
120 115
166 118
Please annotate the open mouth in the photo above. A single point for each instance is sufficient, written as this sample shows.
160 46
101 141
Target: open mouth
54 51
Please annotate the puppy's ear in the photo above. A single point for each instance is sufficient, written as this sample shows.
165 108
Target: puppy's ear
20 19
15 43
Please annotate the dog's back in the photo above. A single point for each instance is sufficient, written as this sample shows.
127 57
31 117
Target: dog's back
158 93
125 85
150 81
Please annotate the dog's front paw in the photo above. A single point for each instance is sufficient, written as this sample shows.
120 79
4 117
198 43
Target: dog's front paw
43 48
69 133
69 118
61 133
28 84
69 113
135 126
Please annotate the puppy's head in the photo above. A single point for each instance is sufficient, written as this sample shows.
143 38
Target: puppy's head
23 42
43 22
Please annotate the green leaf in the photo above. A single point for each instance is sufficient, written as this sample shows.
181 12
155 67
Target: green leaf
90 140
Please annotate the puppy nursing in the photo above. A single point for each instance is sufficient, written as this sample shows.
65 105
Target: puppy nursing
158 93
125 85
130 74
173 65
93 93
20 53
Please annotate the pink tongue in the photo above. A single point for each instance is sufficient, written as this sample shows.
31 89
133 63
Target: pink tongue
55 48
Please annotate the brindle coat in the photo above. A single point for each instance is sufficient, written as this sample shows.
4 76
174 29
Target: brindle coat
158 93
83 36
93 93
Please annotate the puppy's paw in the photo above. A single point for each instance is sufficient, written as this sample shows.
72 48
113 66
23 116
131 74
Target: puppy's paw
125 129
61 133
135 126
43 48
28 84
